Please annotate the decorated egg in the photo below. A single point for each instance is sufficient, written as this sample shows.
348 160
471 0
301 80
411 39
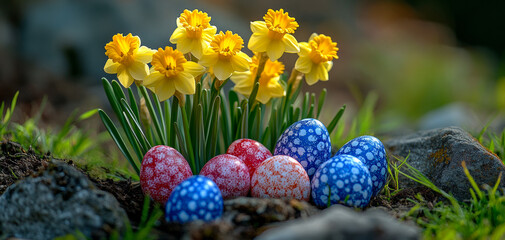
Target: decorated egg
251 152
161 170
308 142
230 174
342 179
197 198
372 153
280 177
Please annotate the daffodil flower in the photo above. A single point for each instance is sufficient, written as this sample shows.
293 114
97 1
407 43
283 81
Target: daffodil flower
127 59
193 33
224 55
171 72
269 81
273 35
315 58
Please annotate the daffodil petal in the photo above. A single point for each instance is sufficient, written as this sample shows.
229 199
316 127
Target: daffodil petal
138 70
193 68
303 64
240 62
208 59
185 83
178 33
275 88
111 67
290 43
258 42
223 70
165 90
328 65
259 26
197 48
322 73
311 77
208 33
124 77
184 45
304 49
144 54
263 96
275 50
240 78
153 79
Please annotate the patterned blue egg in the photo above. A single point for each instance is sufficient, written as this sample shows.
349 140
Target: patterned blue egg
196 198
308 142
372 153
342 179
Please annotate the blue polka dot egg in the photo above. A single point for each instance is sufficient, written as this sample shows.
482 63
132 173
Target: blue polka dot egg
372 153
196 198
308 142
342 179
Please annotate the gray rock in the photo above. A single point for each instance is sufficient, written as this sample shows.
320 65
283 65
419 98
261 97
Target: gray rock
438 154
58 202
339 222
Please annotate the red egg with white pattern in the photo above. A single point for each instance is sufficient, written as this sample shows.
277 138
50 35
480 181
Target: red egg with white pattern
281 177
162 169
251 152
230 174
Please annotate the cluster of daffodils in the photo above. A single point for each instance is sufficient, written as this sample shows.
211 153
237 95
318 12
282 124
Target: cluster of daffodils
202 120
203 53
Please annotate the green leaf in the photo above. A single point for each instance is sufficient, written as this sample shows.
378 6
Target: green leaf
154 116
335 120
88 114
254 92
117 138
320 102
137 130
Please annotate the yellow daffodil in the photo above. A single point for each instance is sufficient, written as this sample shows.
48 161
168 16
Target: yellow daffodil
127 58
273 35
224 55
171 72
193 33
269 81
315 58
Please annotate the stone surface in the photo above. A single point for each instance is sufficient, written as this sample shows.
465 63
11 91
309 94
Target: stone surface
339 222
60 201
438 154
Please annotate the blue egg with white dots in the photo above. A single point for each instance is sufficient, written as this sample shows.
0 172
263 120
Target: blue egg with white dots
307 141
196 198
372 153
342 179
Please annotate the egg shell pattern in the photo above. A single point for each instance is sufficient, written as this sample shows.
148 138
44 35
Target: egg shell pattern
308 142
161 170
230 174
372 153
197 198
251 152
343 175
281 177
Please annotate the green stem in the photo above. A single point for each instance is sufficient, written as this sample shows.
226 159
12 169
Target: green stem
189 144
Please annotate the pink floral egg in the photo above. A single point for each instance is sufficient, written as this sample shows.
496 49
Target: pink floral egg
230 174
281 177
251 152
162 169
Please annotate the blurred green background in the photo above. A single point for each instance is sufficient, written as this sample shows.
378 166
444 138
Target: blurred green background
429 63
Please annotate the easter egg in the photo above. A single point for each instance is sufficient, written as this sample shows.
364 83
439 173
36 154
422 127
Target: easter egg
343 179
308 142
280 177
161 170
372 153
230 174
251 152
196 198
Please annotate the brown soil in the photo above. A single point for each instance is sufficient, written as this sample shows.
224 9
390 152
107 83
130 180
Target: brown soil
17 163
